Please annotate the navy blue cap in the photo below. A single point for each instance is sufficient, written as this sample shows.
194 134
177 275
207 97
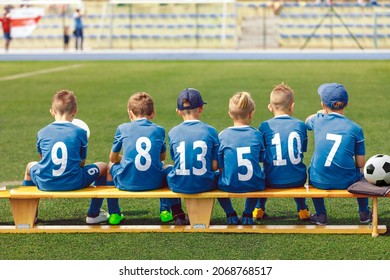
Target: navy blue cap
333 95
192 96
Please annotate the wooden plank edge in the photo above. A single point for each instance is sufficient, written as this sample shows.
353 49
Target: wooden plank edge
270 229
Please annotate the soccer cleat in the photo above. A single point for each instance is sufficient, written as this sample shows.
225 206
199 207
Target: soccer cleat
181 220
232 219
365 217
304 214
259 214
166 216
321 219
247 219
115 219
102 217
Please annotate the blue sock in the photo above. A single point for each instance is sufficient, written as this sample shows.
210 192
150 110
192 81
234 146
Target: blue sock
94 208
226 205
301 204
165 203
363 204
261 203
113 206
110 183
101 181
250 205
319 205
28 183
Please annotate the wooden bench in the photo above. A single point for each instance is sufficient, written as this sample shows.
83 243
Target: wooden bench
25 200
4 194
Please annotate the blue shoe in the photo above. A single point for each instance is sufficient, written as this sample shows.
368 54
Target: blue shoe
247 219
232 219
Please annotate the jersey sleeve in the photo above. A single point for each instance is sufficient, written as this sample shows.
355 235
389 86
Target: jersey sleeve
305 139
360 149
310 123
215 149
117 145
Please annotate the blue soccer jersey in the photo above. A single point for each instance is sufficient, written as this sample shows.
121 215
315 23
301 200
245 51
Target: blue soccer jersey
239 156
285 141
337 141
140 168
193 146
63 147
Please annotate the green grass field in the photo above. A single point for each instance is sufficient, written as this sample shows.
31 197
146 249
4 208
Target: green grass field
103 88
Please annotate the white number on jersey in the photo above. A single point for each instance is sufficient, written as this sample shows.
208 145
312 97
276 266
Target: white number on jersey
337 141
241 161
62 161
143 153
200 157
292 137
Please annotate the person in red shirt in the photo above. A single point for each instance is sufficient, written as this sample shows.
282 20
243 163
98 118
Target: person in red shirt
6 22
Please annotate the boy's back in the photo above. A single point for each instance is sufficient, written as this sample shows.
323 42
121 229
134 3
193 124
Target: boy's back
285 139
142 142
240 153
337 141
193 147
63 146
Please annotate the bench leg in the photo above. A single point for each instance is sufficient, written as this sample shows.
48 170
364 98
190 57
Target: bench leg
375 217
199 211
24 212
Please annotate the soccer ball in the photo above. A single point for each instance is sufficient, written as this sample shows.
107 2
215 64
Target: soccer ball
377 170
82 124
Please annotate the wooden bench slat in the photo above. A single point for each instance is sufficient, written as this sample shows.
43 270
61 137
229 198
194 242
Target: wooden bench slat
112 192
4 193
280 229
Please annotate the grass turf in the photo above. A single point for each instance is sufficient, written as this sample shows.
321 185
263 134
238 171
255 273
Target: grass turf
103 88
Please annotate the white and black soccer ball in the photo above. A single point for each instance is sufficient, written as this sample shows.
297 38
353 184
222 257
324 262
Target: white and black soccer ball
83 125
377 170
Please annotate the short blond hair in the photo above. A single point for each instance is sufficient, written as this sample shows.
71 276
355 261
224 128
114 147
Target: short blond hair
64 102
141 104
240 105
282 96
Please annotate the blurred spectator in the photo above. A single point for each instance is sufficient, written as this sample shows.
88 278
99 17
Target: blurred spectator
6 23
66 37
78 29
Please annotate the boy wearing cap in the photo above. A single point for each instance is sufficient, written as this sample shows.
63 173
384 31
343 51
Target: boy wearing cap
194 149
339 150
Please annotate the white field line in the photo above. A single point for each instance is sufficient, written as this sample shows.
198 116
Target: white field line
3 185
39 72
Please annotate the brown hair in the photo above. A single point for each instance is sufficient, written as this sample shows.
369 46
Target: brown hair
240 105
141 104
64 102
282 96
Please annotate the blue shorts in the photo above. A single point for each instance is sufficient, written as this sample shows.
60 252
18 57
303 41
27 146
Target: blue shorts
90 174
7 36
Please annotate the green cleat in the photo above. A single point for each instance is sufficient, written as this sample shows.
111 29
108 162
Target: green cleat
166 216
115 219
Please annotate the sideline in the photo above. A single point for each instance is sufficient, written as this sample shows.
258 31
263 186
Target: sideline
39 72
193 54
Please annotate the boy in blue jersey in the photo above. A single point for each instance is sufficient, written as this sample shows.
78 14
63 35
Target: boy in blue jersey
62 147
140 167
339 150
194 149
240 153
285 141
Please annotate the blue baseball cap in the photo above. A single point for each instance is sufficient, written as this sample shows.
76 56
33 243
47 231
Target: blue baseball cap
333 95
192 96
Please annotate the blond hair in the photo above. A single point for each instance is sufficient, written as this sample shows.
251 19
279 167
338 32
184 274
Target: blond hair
282 96
240 105
141 104
64 102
